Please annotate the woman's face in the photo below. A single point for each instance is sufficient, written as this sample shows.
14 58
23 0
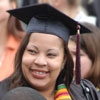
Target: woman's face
43 60
85 60
4 6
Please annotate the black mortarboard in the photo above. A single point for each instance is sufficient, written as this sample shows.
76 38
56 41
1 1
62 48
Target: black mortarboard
23 93
44 18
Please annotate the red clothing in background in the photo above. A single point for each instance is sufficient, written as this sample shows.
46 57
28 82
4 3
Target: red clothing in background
7 66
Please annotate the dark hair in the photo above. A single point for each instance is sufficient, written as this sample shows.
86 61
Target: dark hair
14 26
17 79
90 44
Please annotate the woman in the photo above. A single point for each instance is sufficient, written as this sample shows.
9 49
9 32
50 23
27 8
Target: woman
11 34
90 54
43 61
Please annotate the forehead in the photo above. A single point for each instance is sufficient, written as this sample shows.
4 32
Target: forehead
45 38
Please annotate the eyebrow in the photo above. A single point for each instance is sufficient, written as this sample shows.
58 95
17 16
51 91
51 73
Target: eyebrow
52 50
33 46
47 50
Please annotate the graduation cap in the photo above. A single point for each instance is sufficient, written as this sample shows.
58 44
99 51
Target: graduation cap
44 18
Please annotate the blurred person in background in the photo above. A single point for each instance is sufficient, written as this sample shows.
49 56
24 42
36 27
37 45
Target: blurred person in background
72 8
97 8
90 54
11 34
28 2
92 7
87 4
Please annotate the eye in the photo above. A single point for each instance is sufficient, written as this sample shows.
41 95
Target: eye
31 51
52 55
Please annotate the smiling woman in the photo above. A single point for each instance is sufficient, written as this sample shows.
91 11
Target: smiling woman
43 61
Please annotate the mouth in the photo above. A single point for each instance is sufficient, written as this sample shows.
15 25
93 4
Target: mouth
39 74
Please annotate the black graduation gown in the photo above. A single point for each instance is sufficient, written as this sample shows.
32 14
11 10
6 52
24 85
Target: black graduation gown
76 91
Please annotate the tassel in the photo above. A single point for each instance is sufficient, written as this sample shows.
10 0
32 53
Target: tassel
78 66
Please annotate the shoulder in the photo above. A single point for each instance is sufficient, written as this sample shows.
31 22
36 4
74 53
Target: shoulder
85 82
4 85
85 87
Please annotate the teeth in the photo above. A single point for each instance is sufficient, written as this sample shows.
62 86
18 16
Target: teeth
41 73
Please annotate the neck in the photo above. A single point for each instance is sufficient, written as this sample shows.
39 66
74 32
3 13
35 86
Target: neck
70 11
49 93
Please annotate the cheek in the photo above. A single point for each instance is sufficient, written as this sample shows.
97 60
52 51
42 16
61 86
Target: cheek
55 66
85 66
74 60
27 60
55 70
26 63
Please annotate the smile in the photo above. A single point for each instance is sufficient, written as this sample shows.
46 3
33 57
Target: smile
39 74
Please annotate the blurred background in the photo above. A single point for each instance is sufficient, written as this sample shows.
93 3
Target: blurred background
91 7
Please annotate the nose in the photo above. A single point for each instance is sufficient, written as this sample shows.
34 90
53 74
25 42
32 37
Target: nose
40 60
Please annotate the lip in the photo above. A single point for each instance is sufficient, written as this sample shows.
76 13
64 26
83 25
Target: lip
36 75
39 70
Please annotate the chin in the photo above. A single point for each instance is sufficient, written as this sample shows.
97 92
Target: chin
39 85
